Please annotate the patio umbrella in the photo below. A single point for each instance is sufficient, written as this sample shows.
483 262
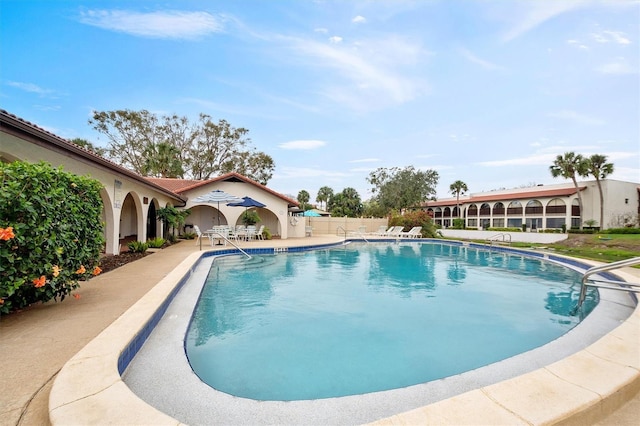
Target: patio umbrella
246 203
311 213
216 196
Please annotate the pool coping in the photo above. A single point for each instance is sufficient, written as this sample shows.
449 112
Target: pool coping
582 387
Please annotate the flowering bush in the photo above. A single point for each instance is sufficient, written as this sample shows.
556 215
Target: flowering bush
51 233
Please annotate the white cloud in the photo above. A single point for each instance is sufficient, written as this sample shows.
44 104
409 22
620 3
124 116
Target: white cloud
335 39
578 44
618 67
302 144
321 30
359 20
31 88
369 74
610 36
476 60
577 118
536 13
163 24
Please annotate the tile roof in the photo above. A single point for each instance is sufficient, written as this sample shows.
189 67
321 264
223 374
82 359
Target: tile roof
543 193
44 137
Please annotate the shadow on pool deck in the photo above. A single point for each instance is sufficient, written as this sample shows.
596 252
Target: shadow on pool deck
37 342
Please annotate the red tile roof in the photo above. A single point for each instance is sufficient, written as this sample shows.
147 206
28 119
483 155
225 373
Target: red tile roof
183 185
15 125
544 193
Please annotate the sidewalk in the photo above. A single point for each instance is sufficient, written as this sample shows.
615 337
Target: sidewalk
36 343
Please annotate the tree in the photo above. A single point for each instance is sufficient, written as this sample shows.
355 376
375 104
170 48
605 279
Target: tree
597 166
255 165
89 146
568 166
346 203
399 189
203 149
324 195
303 199
162 160
458 187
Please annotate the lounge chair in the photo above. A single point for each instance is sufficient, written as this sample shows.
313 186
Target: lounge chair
395 231
383 231
415 232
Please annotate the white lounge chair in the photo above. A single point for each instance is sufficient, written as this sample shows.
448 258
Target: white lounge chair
383 231
395 232
415 232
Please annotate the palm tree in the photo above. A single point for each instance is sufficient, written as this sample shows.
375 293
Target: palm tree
324 195
598 167
568 166
458 187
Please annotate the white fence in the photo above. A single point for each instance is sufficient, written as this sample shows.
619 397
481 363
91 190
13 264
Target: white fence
300 226
521 237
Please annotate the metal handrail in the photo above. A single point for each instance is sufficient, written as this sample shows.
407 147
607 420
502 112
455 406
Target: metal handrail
605 283
222 236
503 235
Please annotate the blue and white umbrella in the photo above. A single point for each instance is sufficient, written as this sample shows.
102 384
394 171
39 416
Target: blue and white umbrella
217 196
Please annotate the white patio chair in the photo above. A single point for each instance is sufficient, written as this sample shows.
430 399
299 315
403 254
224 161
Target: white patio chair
259 235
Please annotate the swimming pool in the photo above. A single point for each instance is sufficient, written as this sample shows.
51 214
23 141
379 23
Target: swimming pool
160 375
374 317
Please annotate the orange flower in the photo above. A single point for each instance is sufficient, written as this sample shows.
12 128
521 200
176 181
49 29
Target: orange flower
39 282
1 301
56 270
6 233
96 270
76 296
81 270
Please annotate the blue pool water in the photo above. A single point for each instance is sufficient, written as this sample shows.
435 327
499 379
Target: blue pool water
373 317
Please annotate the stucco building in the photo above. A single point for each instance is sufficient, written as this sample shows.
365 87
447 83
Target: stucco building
543 206
130 200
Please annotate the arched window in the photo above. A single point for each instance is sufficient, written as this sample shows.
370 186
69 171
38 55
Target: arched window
473 210
498 209
514 208
556 206
534 207
485 210
447 212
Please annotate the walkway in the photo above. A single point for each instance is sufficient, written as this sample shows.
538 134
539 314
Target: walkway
35 343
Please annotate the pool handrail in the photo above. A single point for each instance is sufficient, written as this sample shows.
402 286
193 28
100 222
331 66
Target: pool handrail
219 234
606 283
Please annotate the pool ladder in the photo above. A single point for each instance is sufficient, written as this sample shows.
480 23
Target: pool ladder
500 237
588 281
360 234
220 235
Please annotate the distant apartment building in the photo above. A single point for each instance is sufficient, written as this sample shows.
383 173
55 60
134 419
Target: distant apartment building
543 206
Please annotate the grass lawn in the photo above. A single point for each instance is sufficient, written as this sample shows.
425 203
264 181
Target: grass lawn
600 247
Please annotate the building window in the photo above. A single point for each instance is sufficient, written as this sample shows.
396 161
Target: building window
498 223
514 223
472 223
555 222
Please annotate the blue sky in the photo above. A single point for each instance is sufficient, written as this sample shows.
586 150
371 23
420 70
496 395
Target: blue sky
487 92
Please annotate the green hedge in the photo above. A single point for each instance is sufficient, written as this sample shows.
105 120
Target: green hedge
51 233
415 218
621 231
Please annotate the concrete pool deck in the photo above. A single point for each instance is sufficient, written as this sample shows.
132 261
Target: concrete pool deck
36 344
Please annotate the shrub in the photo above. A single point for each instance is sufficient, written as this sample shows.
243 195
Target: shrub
458 224
505 229
51 233
621 231
137 246
189 235
156 242
581 231
267 233
415 218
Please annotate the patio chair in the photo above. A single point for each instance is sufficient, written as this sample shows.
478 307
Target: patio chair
415 232
259 235
200 235
394 231
251 232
